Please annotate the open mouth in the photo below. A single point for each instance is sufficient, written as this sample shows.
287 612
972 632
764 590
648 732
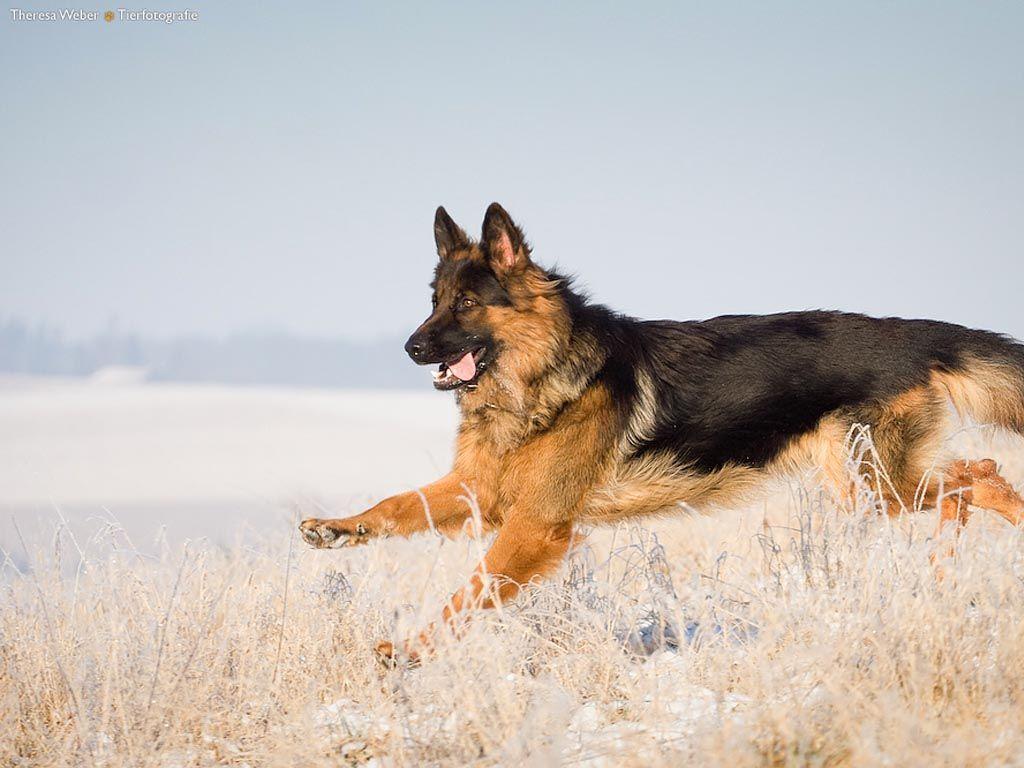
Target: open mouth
460 371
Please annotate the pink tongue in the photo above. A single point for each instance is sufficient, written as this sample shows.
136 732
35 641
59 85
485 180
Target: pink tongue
465 369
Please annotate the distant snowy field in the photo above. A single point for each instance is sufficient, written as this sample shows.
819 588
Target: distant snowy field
203 459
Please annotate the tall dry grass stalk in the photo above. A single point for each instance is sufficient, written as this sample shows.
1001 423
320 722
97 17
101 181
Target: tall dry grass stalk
788 634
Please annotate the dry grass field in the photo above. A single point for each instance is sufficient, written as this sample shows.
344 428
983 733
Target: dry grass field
788 633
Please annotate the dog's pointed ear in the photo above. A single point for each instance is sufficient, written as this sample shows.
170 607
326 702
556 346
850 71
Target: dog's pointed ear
448 235
504 243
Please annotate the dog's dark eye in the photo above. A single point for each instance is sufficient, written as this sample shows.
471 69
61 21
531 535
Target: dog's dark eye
467 303
433 301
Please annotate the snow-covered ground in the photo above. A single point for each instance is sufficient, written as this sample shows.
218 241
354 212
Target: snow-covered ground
203 459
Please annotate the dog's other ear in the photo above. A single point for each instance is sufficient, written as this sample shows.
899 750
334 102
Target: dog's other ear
507 250
448 235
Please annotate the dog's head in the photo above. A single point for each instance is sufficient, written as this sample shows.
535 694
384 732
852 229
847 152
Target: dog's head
492 306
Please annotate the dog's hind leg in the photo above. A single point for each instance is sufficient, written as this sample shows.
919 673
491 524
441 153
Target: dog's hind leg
445 504
979 484
908 433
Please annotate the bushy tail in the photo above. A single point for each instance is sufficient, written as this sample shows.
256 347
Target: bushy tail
989 387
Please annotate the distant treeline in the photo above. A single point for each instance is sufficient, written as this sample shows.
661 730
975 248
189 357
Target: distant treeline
246 358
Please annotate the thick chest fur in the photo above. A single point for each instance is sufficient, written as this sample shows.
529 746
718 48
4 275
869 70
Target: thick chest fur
535 462
489 449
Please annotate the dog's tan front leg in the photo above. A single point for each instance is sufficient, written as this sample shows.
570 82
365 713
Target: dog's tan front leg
444 503
524 549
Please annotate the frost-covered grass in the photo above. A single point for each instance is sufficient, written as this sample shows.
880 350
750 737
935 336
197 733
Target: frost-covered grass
800 635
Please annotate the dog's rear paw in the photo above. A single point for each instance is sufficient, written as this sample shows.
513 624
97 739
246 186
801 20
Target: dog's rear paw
331 534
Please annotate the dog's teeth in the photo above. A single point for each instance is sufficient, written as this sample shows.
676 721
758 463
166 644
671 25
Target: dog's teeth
437 374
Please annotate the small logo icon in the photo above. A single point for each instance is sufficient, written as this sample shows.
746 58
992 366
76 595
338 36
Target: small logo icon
108 16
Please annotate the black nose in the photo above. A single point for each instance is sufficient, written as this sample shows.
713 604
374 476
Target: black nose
415 347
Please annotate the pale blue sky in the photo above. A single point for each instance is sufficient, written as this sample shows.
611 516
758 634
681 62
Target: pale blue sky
278 166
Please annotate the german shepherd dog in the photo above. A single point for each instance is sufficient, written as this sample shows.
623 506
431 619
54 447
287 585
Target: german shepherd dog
572 414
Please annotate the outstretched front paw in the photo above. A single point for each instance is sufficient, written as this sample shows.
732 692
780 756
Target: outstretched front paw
331 534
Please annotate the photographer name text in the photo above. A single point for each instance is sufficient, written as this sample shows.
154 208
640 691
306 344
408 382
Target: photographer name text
119 14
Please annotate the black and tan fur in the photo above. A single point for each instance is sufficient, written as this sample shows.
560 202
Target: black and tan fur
577 414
